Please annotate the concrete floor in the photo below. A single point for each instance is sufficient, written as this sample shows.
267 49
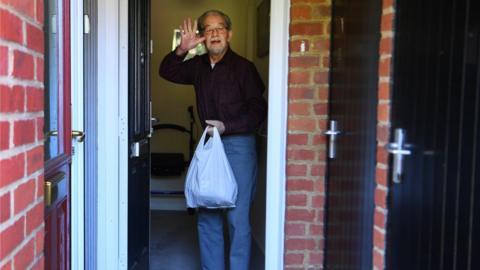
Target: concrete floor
174 244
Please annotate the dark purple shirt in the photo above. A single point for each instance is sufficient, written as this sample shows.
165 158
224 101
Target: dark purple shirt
231 91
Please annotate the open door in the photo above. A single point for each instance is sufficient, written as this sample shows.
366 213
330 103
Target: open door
434 206
352 145
139 130
57 129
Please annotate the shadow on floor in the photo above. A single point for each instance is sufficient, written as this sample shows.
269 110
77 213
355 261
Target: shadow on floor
174 244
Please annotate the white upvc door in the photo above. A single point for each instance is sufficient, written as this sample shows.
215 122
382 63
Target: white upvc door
77 97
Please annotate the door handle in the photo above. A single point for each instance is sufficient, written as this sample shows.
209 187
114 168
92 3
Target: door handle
332 134
398 148
51 188
78 135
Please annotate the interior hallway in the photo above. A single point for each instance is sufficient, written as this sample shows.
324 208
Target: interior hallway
174 244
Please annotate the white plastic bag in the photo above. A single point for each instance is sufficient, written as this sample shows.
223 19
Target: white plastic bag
210 181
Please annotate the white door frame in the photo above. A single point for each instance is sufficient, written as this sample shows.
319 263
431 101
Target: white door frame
113 136
77 99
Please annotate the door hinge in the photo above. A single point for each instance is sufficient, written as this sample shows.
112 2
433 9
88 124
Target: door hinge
86 24
151 46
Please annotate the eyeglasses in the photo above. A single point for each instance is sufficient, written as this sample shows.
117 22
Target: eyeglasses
219 29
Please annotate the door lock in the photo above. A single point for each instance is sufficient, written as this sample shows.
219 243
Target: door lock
332 134
398 149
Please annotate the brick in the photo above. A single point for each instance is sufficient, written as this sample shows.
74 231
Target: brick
322 94
23 6
12 237
381 176
3 60
17 100
301 108
382 155
25 256
40 69
326 62
384 91
12 99
297 200
379 219
35 217
307 28
294 258
299 77
384 67
35 159
300 244
300 155
296 170
295 229
24 195
300 215
39 264
383 112
315 257
300 93
387 3
23 66
386 46
5 205
321 45
23 132
379 239
318 201
319 140
34 99
4 135
317 170
321 77
11 26
7 266
39 242
300 185
383 133
319 186
321 11
40 186
12 169
381 198
39 12
378 260
40 124
297 139
315 230
321 108
304 124
300 12
387 22
35 38
304 62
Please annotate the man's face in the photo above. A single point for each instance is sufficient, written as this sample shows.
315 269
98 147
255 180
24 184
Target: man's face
217 36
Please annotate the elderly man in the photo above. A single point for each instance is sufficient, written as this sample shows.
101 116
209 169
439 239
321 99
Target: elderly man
229 92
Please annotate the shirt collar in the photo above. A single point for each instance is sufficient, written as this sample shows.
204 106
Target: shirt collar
225 59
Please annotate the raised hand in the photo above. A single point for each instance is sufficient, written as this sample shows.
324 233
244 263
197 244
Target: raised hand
190 39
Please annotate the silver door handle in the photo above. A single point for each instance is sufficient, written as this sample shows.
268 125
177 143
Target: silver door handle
398 149
332 134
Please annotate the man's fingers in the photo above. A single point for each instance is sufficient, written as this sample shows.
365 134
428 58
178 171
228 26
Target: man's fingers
189 25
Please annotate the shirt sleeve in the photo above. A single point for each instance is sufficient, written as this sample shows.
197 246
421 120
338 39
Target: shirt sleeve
174 69
256 105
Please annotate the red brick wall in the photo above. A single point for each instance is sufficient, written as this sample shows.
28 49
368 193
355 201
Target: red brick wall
383 127
21 137
307 115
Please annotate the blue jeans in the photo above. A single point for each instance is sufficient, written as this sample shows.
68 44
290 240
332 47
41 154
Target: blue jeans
242 156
